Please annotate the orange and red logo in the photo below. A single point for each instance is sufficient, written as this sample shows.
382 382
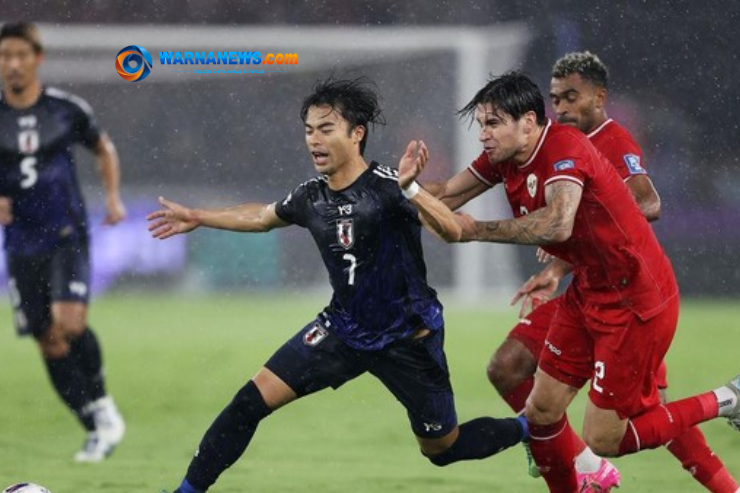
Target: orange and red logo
134 63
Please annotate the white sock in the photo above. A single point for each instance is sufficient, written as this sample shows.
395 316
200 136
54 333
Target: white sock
726 400
587 462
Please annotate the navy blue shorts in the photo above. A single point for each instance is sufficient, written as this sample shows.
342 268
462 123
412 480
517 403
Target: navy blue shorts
35 282
414 370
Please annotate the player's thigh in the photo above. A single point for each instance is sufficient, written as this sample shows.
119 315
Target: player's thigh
70 286
314 359
628 357
30 293
415 371
549 399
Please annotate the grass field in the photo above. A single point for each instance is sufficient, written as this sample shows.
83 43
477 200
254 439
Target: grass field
173 363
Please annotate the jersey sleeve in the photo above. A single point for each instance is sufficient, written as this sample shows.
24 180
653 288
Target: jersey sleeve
85 128
625 155
294 208
569 159
484 171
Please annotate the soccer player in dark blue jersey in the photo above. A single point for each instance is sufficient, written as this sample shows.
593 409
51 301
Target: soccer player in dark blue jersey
383 317
45 225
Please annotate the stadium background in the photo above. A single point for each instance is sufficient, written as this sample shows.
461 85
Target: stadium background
222 140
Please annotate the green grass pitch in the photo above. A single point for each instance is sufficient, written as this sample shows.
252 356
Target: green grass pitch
174 362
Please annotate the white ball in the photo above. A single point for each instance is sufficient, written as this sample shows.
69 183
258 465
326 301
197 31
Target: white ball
25 488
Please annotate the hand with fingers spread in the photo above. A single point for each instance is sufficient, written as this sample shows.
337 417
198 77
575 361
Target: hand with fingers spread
412 163
543 257
536 290
173 219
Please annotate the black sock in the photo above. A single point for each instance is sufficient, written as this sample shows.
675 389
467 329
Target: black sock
85 350
481 438
228 437
70 384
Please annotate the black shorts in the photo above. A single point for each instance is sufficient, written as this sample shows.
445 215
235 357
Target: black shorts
35 282
414 370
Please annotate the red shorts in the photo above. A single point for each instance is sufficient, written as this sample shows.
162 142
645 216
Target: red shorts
619 352
532 329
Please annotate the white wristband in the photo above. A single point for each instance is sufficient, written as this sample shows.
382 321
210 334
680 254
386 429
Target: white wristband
411 191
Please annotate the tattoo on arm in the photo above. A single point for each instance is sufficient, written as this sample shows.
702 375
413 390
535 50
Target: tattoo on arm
550 224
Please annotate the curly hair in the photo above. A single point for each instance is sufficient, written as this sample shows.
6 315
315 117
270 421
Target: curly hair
585 64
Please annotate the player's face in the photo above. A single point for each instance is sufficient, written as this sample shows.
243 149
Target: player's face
577 102
502 136
19 63
329 139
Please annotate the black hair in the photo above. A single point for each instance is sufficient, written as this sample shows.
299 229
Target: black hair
513 93
585 64
356 100
24 30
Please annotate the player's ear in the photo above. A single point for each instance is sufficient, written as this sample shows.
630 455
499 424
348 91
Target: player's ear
601 94
358 134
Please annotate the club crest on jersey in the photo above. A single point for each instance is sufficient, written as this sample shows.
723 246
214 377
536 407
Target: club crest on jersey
314 336
345 232
532 185
633 164
563 165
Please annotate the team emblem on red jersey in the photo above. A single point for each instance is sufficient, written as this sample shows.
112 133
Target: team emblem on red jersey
345 232
532 185
314 336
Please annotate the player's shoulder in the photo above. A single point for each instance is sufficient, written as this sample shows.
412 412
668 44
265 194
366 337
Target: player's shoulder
383 174
59 96
612 129
561 141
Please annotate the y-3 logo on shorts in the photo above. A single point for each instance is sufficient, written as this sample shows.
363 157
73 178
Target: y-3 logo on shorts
314 336
432 426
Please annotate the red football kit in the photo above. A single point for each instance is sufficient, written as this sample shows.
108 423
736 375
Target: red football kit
617 318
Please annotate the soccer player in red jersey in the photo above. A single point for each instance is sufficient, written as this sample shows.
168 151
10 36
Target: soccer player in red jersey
578 92
617 318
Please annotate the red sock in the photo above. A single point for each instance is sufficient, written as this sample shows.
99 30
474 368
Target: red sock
698 459
554 450
517 398
665 422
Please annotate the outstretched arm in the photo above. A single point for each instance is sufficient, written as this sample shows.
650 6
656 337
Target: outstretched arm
458 190
550 224
174 219
435 215
542 286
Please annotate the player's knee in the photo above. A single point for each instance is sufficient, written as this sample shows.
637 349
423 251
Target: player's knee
53 345
71 326
248 405
509 367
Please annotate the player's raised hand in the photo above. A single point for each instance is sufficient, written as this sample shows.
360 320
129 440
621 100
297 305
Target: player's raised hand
172 219
537 289
115 210
6 210
412 162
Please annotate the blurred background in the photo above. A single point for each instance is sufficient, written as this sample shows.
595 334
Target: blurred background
222 139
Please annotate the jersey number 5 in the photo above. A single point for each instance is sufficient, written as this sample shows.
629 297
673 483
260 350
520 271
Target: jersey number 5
29 172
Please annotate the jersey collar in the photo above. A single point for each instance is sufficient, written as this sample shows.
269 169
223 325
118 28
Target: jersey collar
600 128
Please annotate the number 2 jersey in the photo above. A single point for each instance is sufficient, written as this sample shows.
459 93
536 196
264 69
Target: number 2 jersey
616 258
37 170
369 237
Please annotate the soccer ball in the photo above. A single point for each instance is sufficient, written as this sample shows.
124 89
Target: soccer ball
25 488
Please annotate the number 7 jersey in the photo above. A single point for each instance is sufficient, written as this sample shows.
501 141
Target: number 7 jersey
369 237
